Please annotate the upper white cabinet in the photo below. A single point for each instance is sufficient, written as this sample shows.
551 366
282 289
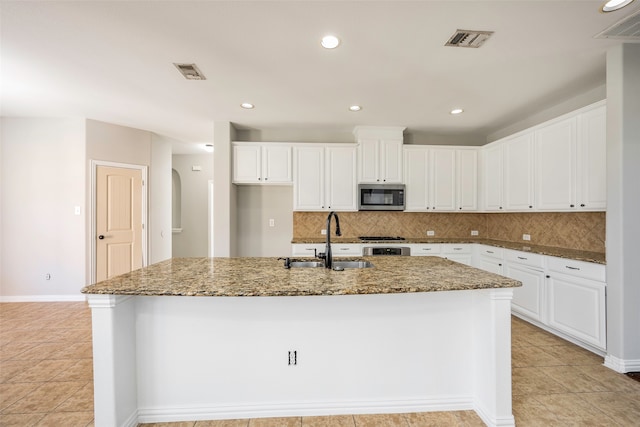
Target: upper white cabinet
591 159
324 177
518 173
492 173
261 163
440 179
380 157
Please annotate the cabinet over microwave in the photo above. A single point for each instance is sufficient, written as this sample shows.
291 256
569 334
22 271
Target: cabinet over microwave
380 197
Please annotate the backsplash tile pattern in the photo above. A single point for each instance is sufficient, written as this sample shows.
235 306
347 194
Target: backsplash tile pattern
581 230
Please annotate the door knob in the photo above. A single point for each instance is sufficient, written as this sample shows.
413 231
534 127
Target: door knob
101 237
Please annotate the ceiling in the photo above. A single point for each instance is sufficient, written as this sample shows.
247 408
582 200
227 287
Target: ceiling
113 61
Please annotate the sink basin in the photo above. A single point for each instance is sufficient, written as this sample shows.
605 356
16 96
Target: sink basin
352 264
306 264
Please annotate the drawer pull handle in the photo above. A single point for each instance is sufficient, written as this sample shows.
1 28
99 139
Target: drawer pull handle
489 252
344 249
310 249
521 257
572 268
457 249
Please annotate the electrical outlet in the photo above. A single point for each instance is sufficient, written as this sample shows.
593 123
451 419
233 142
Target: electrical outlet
431 233
272 222
47 276
293 358
474 232
526 237
323 231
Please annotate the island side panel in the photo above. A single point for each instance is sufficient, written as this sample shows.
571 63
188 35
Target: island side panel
214 358
114 360
492 332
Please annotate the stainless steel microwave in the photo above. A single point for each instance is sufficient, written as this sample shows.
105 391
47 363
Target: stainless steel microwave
380 197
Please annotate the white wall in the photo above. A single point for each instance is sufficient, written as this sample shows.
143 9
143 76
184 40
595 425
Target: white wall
257 204
160 239
193 240
224 193
43 180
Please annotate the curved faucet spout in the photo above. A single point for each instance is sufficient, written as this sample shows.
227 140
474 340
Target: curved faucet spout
328 260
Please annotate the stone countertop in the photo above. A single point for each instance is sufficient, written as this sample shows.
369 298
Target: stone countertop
595 257
235 277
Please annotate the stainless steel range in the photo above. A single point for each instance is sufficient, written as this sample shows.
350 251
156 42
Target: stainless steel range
386 250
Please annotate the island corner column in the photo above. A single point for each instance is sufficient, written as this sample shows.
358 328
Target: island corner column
114 360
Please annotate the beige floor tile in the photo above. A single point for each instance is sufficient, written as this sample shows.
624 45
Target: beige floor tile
81 350
81 370
11 368
381 420
533 356
332 421
572 409
527 411
173 424
432 419
45 398
610 379
40 351
223 423
534 381
43 370
13 350
541 338
469 419
570 354
80 401
276 422
20 420
11 393
66 419
573 379
623 408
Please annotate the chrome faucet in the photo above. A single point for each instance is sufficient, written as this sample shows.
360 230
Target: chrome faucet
328 257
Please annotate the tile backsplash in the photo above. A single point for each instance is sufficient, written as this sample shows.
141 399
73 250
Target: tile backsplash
580 230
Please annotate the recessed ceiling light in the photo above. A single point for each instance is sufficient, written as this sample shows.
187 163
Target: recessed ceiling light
330 42
457 111
355 108
247 105
612 5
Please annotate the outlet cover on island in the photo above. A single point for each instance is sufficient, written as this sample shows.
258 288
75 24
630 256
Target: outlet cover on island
431 233
474 232
526 237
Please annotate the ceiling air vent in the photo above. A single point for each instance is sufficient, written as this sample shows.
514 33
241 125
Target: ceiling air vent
190 71
467 38
627 29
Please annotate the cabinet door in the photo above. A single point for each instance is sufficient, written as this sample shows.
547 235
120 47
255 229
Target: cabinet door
592 160
467 180
489 264
555 166
416 178
577 308
492 177
443 176
276 164
246 164
528 299
391 161
519 172
368 161
308 185
341 184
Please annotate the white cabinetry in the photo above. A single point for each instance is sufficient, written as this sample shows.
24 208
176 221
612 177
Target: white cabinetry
379 154
441 179
424 249
325 177
577 300
261 163
529 299
307 249
489 258
518 173
459 252
591 160
492 165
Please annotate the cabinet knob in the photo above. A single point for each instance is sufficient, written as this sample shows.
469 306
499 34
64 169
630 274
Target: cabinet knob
572 206
582 205
266 179
530 207
547 276
499 265
500 207
460 208
259 179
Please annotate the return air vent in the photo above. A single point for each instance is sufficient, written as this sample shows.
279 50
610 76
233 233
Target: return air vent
467 38
627 29
190 71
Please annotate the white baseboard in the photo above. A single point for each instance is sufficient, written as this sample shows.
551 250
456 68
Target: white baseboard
292 409
42 298
622 365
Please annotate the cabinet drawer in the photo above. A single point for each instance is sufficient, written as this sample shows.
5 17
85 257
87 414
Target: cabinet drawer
451 248
587 270
490 251
306 249
425 249
525 258
346 249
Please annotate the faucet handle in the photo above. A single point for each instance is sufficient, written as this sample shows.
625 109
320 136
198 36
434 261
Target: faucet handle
287 262
321 255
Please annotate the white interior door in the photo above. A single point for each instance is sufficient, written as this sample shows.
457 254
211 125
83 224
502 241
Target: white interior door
119 229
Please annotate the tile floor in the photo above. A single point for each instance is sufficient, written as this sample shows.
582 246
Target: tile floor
46 380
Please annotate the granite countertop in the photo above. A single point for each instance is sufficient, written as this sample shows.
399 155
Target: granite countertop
595 257
267 277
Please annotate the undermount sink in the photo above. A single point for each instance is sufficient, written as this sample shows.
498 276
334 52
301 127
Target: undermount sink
336 264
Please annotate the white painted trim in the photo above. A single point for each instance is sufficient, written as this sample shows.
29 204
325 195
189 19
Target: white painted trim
145 217
621 365
42 298
210 218
303 409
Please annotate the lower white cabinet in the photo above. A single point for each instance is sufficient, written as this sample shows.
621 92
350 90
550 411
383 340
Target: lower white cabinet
424 249
337 249
528 299
462 253
489 258
307 249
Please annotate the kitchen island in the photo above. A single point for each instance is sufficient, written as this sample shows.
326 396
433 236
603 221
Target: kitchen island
218 338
